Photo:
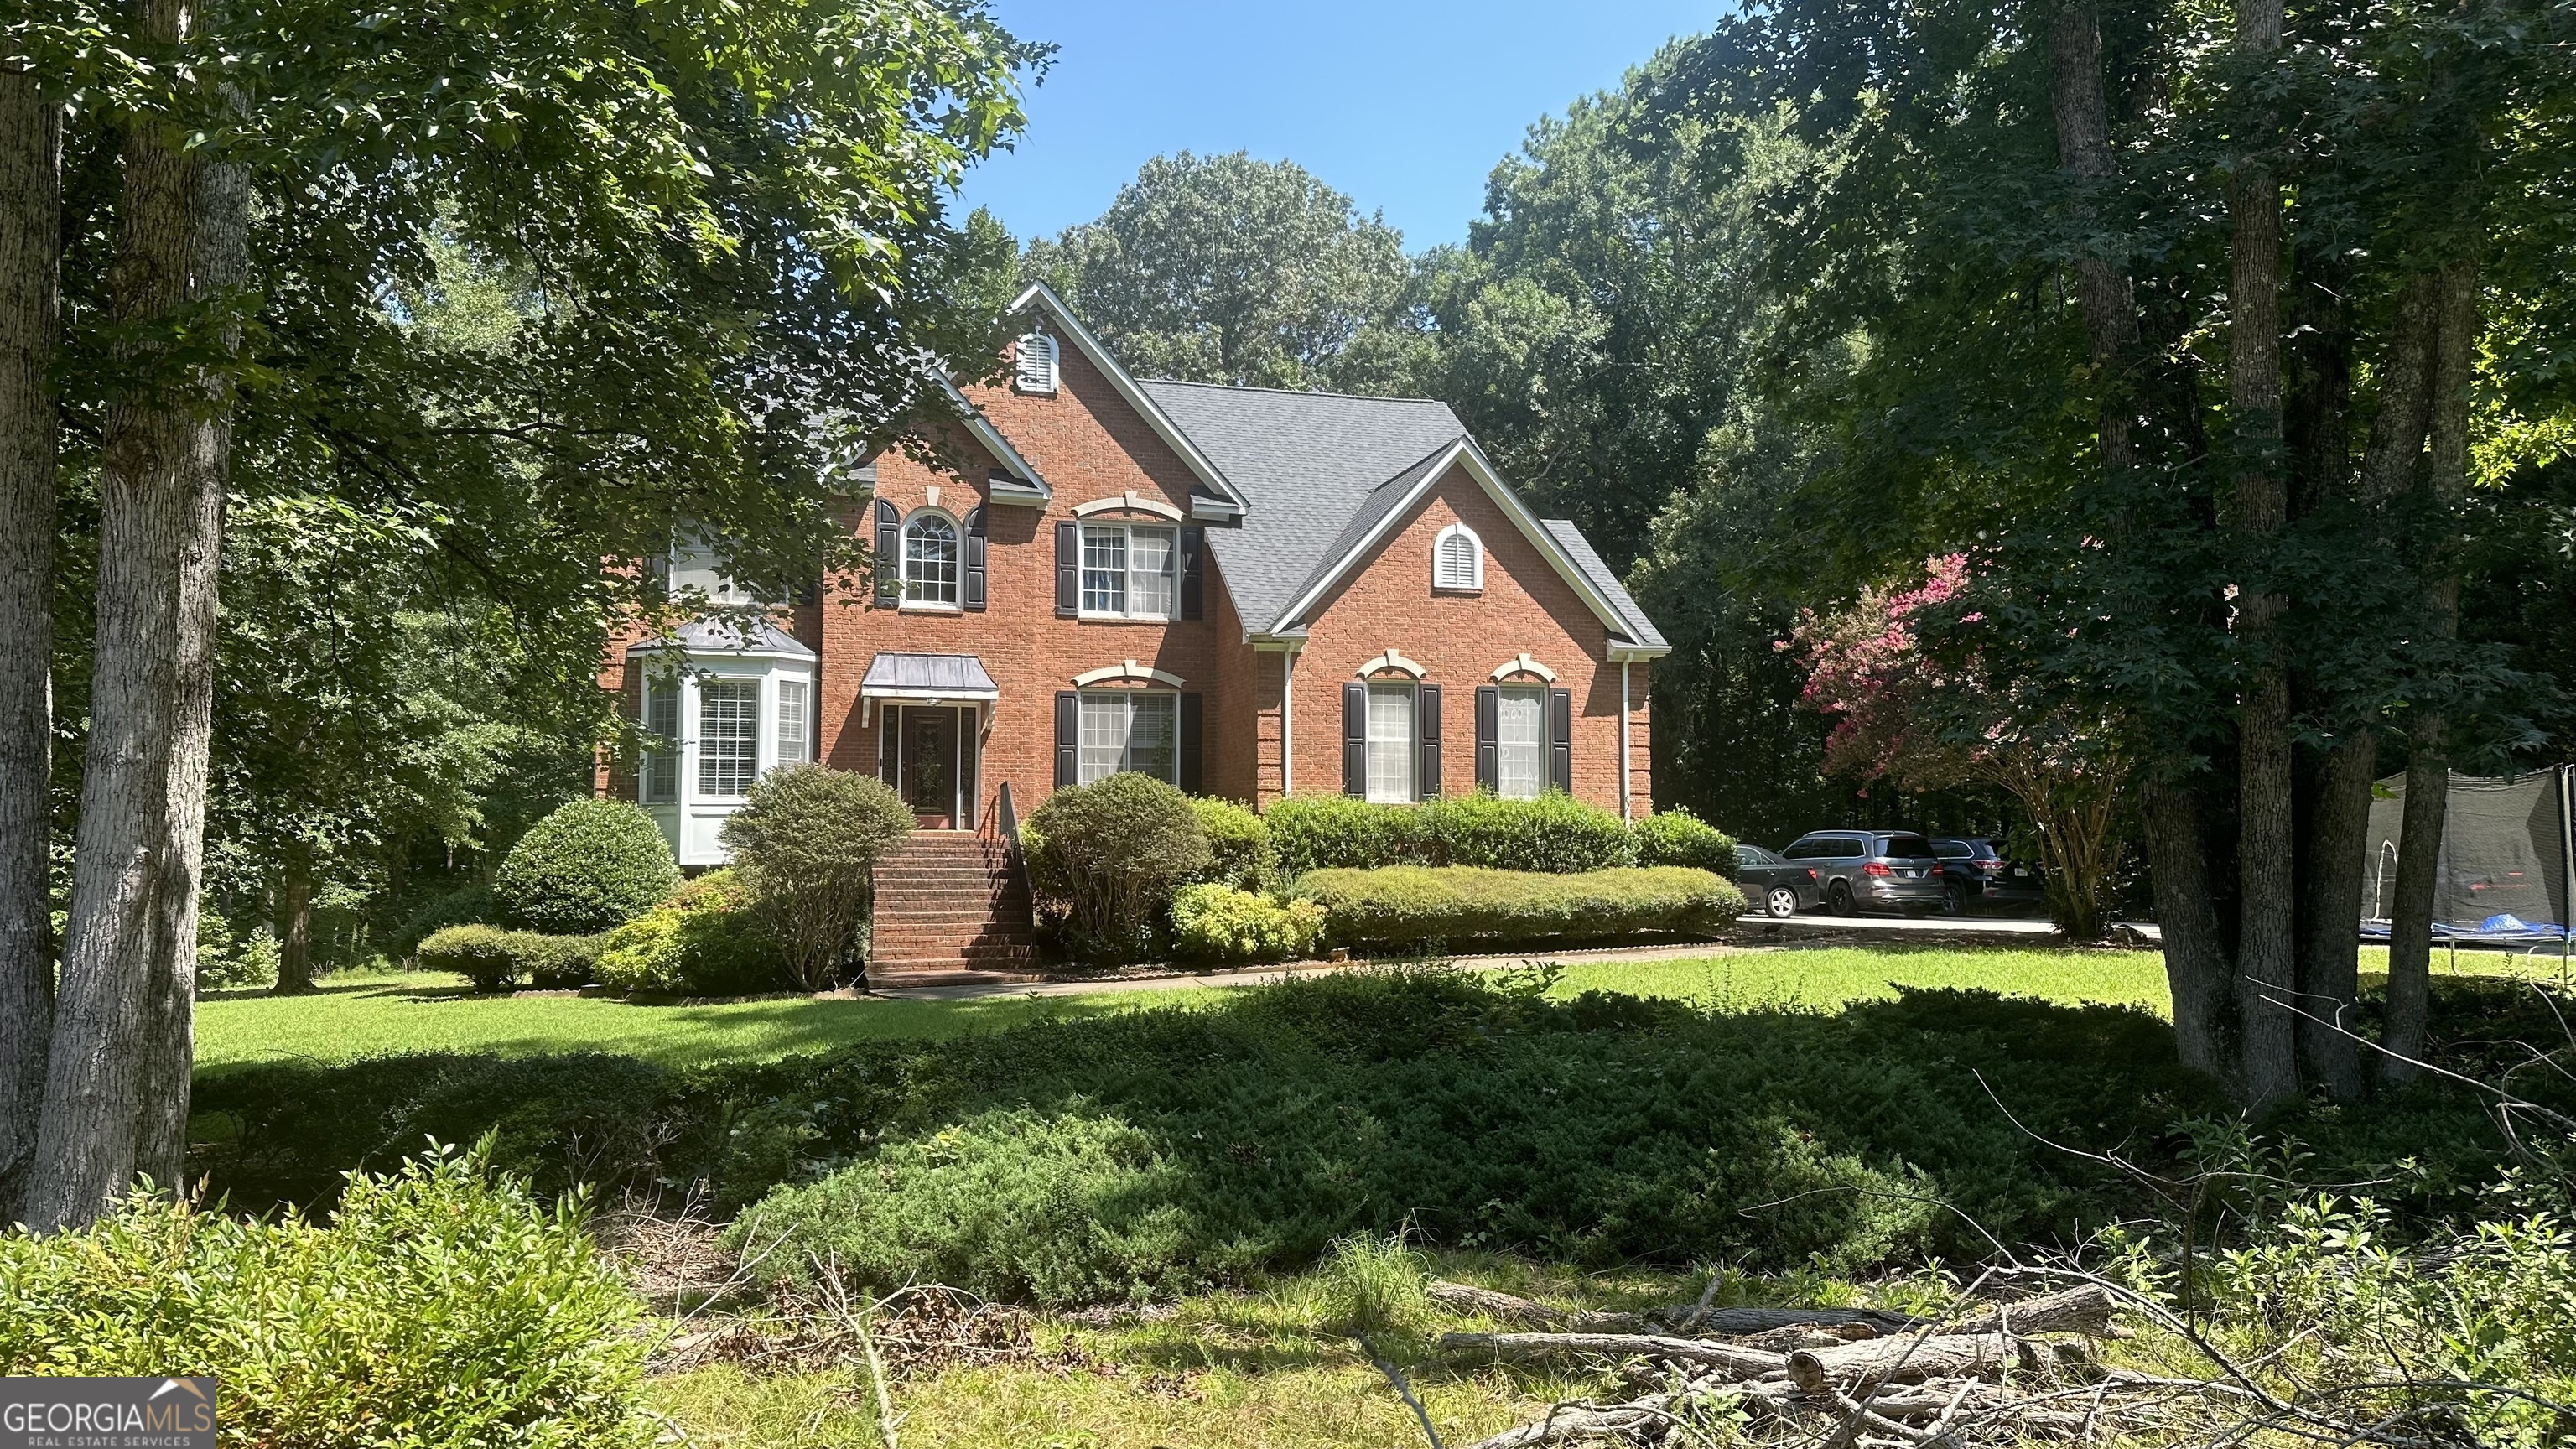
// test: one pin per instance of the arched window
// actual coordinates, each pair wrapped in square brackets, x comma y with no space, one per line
[930,560]
[1037,363]
[1457,559]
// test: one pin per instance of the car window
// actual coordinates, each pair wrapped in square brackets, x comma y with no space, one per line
[1756,855]
[1801,849]
[1904,847]
[1954,850]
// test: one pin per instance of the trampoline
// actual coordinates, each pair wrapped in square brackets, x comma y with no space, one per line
[2507,858]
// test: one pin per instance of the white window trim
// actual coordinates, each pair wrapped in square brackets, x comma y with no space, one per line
[903,538]
[1501,745]
[1087,695]
[1130,615]
[1037,365]
[1475,560]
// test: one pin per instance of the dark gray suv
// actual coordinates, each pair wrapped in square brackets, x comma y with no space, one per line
[1886,870]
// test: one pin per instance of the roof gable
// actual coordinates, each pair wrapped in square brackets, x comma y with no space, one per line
[1221,491]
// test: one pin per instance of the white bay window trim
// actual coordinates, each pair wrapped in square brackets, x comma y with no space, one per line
[729,717]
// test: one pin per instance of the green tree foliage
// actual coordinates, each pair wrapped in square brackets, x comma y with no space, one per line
[806,841]
[1227,269]
[590,865]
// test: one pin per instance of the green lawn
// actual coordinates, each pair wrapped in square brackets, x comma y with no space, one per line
[370,1015]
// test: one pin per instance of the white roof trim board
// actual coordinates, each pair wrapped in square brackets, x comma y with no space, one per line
[1464,452]
[1034,490]
[1043,296]
[1127,669]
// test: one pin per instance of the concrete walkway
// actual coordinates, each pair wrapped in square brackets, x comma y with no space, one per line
[1751,933]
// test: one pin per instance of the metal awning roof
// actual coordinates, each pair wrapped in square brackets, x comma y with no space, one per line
[726,636]
[927,676]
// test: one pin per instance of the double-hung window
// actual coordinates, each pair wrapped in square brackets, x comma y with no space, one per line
[1129,729]
[1392,743]
[930,561]
[1520,740]
[794,712]
[1130,571]
[660,780]
[728,736]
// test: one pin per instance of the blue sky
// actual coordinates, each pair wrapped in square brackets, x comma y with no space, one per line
[1404,105]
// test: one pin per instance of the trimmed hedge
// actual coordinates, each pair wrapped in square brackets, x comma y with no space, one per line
[1411,905]
[499,960]
[705,940]
[1555,833]
[1239,848]
[465,906]
[1677,837]
[1216,922]
[442,1305]
[590,865]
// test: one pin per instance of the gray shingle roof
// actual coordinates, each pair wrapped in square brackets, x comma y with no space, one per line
[1308,465]
[1640,628]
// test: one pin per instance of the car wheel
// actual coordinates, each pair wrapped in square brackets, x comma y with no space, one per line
[1782,903]
[1839,899]
[1954,899]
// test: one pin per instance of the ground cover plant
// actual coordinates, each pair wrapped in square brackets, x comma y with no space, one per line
[441,1304]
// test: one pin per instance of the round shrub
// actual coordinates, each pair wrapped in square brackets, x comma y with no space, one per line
[590,865]
[1239,848]
[1677,837]
[707,939]
[806,840]
[1216,922]
[499,960]
[1109,853]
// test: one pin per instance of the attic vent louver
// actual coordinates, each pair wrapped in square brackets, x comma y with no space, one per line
[1037,363]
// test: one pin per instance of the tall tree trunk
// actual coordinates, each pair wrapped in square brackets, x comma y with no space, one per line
[294,922]
[2428,773]
[2103,285]
[116,1088]
[2267,948]
[2196,956]
[30,246]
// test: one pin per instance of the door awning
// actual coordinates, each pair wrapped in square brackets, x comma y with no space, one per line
[927,676]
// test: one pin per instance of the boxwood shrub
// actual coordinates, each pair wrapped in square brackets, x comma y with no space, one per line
[590,865]
[1216,922]
[1239,850]
[499,960]
[1554,832]
[1411,905]
[705,940]
[440,1305]
[1677,837]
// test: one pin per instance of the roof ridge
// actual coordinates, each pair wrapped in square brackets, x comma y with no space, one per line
[1292,391]
[1408,470]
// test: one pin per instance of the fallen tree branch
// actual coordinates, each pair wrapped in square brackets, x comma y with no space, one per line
[1879,1360]
[2085,1308]
[1750,1363]
[1512,1308]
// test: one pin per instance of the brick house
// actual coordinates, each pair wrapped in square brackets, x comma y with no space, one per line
[1248,592]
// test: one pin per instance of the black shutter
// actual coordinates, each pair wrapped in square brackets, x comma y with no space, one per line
[1560,739]
[975,559]
[1193,577]
[1355,739]
[1068,570]
[889,554]
[1190,744]
[1068,737]
[886,728]
[1426,773]
[1489,737]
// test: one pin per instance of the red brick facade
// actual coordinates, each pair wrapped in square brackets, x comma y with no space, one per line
[1088,442]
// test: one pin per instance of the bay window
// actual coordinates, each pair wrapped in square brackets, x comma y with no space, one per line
[660,780]
[794,713]
[728,737]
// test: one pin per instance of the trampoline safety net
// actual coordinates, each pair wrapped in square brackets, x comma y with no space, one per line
[2505,848]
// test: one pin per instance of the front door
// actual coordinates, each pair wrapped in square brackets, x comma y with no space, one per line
[934,765]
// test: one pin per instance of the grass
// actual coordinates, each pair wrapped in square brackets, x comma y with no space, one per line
[386,1013]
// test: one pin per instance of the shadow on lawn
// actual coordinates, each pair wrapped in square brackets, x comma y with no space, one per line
[1246,1134]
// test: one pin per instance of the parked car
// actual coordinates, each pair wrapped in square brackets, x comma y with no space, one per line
[1977,876]
[1857,870]
[1777,887]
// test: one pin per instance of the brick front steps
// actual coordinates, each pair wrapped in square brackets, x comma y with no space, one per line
[950,910]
